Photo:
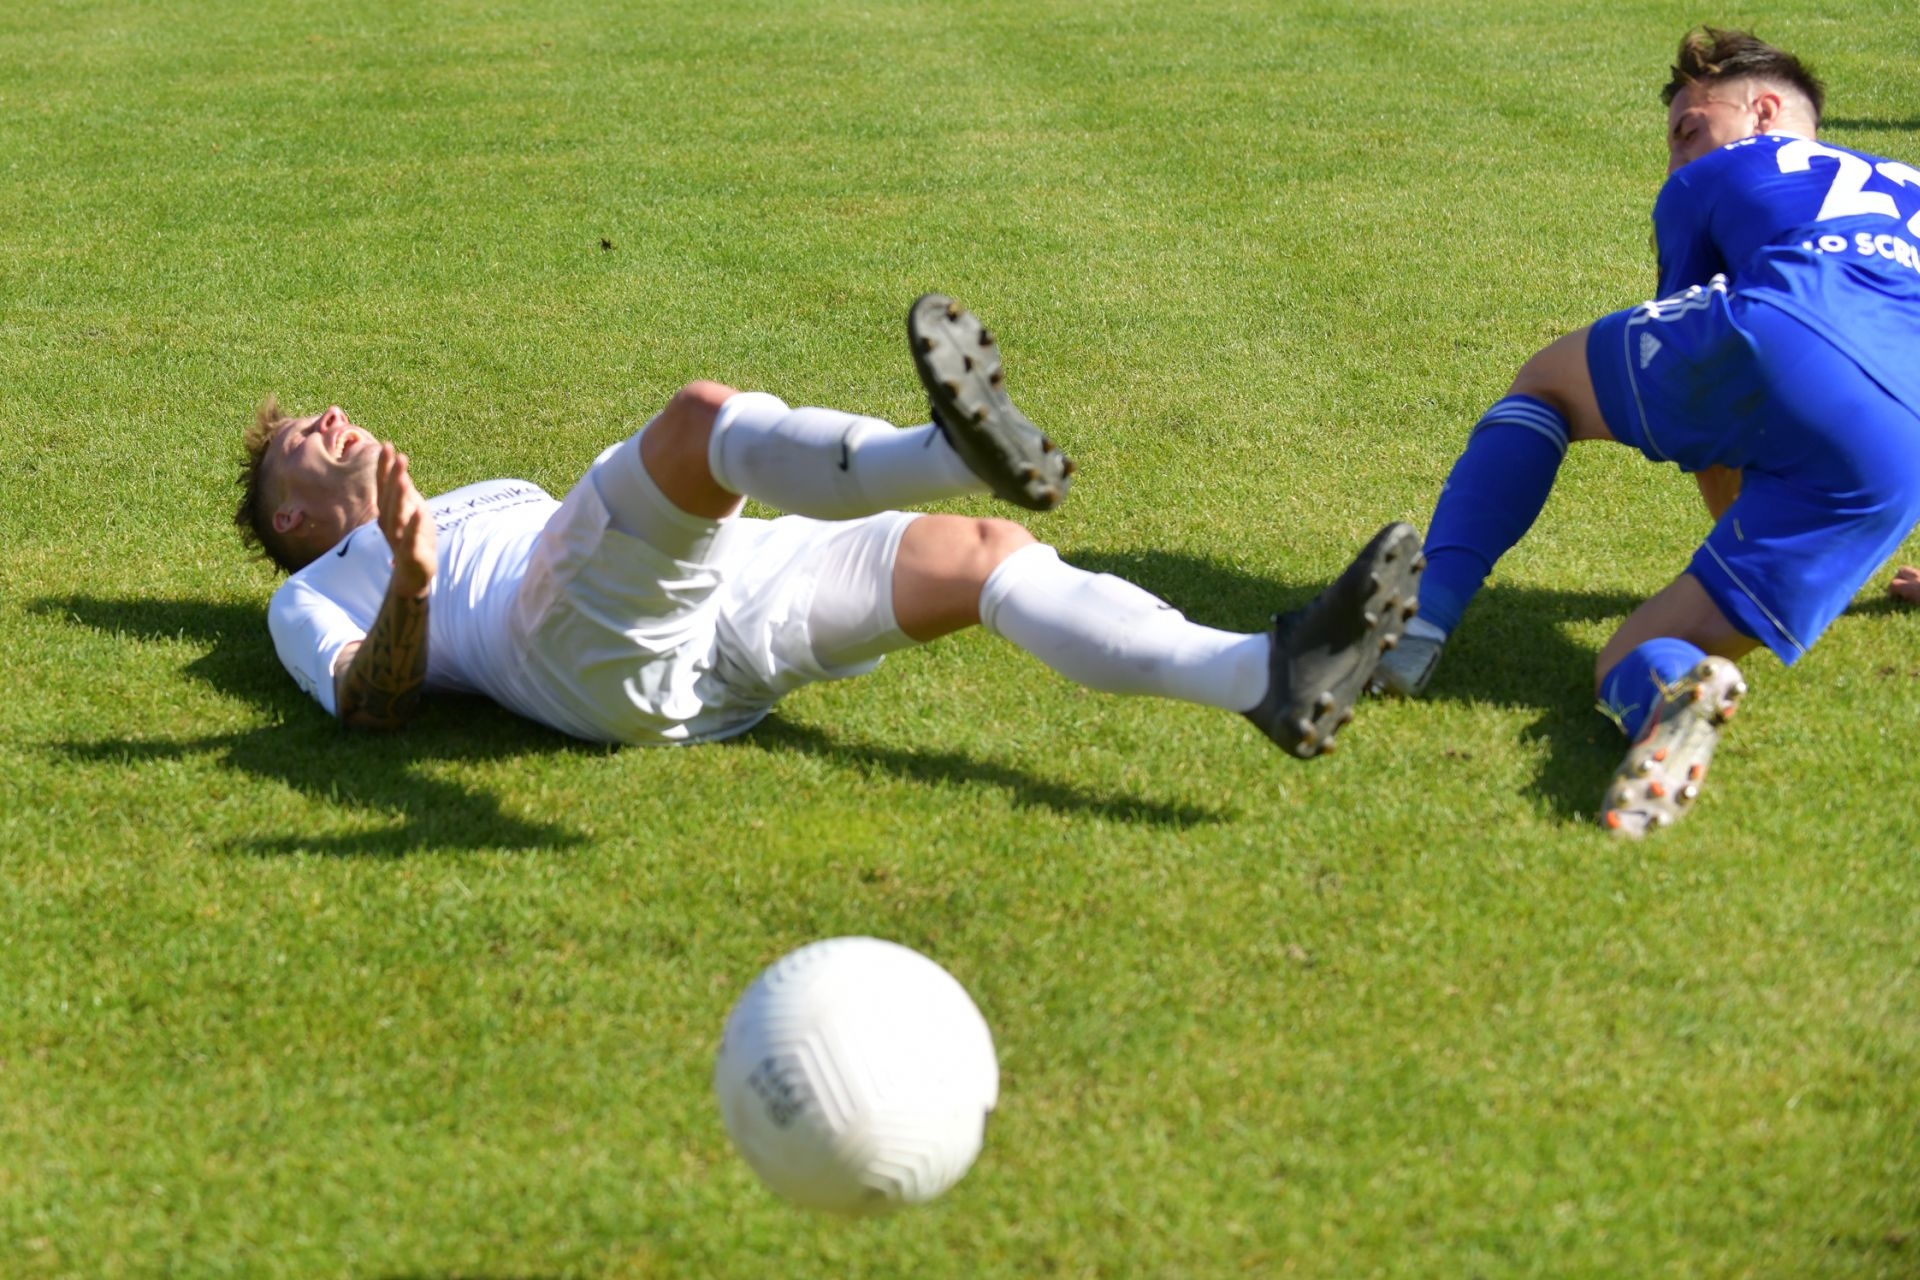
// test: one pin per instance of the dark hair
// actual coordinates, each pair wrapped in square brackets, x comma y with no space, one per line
[254,515]
[1709,55]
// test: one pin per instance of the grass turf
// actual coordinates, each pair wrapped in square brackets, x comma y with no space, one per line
[279,1000]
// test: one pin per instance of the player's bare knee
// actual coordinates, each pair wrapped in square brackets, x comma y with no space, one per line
[995,540]
[1543,377]
[691,412]
[700,399]
[1557,375]
[959,552]
[678,434]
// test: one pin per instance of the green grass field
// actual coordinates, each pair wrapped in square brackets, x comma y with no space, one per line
[277,1000]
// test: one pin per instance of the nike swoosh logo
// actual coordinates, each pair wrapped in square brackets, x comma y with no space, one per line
[846,457]
[343,546]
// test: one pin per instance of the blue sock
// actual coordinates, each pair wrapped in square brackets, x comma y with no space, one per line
[1631,690]
[1492,497]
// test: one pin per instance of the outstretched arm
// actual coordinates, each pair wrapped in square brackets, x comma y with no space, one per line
[378,682]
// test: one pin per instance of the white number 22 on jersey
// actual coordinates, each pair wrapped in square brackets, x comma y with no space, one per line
[1848,196]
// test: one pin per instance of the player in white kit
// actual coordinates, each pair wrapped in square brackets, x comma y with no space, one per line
[644,609]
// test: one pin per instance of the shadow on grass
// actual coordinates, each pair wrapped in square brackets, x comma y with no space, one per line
[1515,651]
[1881,605]
[934,767]
[308,752]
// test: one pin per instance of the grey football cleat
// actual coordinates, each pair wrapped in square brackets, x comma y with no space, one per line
[959,364]
[1324,654]
[1660,779]
[1406,669]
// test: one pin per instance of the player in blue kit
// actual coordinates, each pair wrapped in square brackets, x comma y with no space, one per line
[1778,366]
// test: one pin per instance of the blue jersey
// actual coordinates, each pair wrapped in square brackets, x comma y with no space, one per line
[1828,235]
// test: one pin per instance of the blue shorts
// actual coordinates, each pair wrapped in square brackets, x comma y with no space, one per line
[1831,460]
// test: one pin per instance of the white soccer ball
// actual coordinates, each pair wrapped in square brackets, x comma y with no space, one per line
[856,1075]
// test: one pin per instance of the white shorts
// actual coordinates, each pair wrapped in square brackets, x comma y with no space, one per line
[692,632]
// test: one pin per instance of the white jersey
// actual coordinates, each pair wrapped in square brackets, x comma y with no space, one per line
[552,612]
[486,536]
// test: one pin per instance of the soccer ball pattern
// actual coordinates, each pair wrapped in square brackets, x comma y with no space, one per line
[855,1076]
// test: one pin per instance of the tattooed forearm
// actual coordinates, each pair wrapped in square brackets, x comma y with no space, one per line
[381,687]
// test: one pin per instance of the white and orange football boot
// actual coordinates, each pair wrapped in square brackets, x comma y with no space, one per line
[1660,779]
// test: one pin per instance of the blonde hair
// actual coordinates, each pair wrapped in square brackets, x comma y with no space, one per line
[254,515]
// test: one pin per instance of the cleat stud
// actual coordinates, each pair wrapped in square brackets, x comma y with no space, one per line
[980,414]
[1050,496]
[1643,766]
[1046,445]
[1029,474]
[1408,609]
[952,385]
[1419,562]
[986,337]
[1373,583]
[953,310]
[1304,727]
[1324,703]
[1344,719]
[1657,790]
[1388,641]
[1371,618]
[1612,819]
[1689,793]
[1326,748]
[1067,467]
[928,344]
[1661,754]
[996,377]
[1698,692]
[1696,773]
[966,362]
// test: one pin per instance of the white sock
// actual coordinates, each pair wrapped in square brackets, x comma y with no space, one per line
[830,465]
[1107,634]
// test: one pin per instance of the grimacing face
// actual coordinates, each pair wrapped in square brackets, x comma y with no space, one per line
[1706,117]
[323,467]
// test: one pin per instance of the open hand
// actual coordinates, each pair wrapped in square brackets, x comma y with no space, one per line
[406,523]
